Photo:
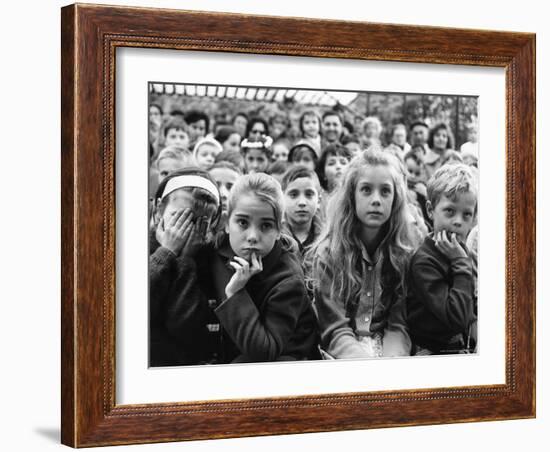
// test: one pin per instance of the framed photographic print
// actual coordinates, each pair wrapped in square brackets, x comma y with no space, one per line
[325,228]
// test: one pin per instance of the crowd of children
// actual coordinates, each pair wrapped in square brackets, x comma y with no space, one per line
[332,245]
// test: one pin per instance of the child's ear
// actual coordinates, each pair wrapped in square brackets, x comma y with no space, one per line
[430,210]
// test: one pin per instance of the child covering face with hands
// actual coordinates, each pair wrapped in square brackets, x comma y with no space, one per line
[243,296]
[187,208]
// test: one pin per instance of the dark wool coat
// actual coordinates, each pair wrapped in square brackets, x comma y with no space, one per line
[192,321]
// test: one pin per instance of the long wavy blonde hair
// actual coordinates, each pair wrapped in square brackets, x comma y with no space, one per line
[339,245]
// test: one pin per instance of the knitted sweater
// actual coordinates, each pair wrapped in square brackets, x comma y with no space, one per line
[441,301]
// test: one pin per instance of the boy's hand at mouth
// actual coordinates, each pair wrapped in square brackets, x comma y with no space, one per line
[448,244]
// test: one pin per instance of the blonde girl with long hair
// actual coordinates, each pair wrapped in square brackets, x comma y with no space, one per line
[360,262]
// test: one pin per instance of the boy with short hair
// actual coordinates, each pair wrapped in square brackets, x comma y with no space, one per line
[303,153]
[173,158]
[441,287]
[175,133]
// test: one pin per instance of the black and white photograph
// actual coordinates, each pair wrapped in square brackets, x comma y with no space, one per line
[292,224]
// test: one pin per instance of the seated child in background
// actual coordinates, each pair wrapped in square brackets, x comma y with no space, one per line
[398,141]
[226,175]
[353,144]
[280,149]
[170,159]
[175,133]
[251,280]
[302,213]
[332,166]
[310,127]
[228,137]
[173,158]
[155,123]
[303,153]
[277,169]
[187,207]
[302,197]
[416,183]
[198,125]
[257,154]
[205,152]
[371,130]
[441,292]
[240,122]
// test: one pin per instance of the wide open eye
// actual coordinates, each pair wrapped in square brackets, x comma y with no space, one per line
[242,222]
[366,189]
[267,226]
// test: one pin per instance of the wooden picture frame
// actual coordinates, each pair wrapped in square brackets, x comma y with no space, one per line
[90,36]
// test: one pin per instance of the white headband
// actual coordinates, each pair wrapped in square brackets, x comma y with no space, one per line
[191,180]
[207,140]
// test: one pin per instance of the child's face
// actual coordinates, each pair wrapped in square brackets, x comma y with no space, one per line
[280,152]
[311,126]
[335,168]
[354,148]
[277,127]
[257,130]
[332,128]
[177,137]
[440,139]
[256,161]
[154,115]
[197,130]
[240,124]
[304,158]
[252,227]
[206,156]
[233,143]
[302,200]
[413,169]
[225,179]
[374,196]
[454,216]
[167,166]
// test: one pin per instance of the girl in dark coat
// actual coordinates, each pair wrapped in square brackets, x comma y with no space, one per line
[243,298]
